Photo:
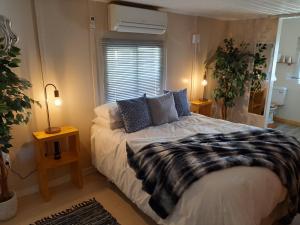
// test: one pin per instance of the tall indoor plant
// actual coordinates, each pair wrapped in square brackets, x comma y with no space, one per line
[233,73]
[15,108]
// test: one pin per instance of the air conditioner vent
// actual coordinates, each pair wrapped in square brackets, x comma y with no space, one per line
[136,20]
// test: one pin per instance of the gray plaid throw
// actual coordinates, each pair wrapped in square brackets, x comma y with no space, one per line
[167,169]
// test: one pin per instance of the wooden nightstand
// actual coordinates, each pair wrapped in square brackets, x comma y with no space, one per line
[201,107]
[68,142]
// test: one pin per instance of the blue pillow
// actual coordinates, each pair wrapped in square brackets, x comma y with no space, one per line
[181,102]
[135,114]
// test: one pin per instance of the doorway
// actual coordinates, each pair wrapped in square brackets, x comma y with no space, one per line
[283,105]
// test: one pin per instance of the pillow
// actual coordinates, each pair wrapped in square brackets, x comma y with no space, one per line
[135,114]
[107,124]
[162,109]
[109,111]
[181,102]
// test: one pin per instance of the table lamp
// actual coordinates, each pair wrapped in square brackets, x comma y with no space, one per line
[57,102]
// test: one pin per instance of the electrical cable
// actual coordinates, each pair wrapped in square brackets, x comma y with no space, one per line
[20,175]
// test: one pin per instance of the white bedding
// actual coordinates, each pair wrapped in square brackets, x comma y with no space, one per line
[235,196]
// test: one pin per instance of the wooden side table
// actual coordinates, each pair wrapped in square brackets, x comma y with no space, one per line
[201,107]
[68,142]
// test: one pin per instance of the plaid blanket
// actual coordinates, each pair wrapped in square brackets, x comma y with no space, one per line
[167,169]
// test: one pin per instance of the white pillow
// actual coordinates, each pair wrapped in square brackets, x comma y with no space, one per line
[109,111]
[105,123]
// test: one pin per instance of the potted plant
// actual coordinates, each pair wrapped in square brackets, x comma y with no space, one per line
[231,72]
[15,108]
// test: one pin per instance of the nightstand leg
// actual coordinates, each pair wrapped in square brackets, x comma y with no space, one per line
[76,174]
[43,182]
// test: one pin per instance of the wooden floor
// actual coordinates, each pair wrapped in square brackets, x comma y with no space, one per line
[289,129]
[32,208]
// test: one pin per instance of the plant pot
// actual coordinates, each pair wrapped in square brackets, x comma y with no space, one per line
[8,209]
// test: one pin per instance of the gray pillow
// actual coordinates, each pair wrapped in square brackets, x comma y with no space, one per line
[162,109]
[135,114]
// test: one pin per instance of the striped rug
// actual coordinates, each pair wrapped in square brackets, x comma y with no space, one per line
[89,212]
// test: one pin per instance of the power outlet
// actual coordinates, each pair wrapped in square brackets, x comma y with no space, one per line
[196,39]
[92,22]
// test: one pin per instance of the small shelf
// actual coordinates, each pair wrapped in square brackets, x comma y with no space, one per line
[293,78]
[66,158]
[65,131]
[288,64]
[68,146]
[201,102]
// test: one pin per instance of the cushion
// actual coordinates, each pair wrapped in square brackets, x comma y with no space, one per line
[109,111]
[135,114]
[107,124]
[162,109]
[181,102]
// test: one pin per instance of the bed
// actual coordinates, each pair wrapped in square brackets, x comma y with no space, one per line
[234,196]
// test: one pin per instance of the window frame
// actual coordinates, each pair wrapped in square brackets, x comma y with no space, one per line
[106,41]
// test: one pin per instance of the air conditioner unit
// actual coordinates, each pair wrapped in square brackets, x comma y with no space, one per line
[136,20]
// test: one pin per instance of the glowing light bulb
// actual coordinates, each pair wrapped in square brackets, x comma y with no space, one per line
[57,102]
[204,82]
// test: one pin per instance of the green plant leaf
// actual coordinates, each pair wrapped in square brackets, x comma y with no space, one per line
[231,71]
[15,105]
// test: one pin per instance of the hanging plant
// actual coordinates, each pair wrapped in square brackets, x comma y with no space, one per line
[231,72]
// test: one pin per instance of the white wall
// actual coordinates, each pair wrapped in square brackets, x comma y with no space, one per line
[288,44]
[64,40]
[64,36]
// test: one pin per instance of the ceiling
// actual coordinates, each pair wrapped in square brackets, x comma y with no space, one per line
[227,9]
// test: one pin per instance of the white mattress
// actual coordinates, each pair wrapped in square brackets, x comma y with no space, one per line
[234,196]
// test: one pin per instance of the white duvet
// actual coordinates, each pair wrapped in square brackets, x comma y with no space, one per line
[234,196]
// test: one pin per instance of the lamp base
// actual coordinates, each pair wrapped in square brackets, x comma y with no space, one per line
[52,130]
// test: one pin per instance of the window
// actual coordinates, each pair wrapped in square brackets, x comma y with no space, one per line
[132,68]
